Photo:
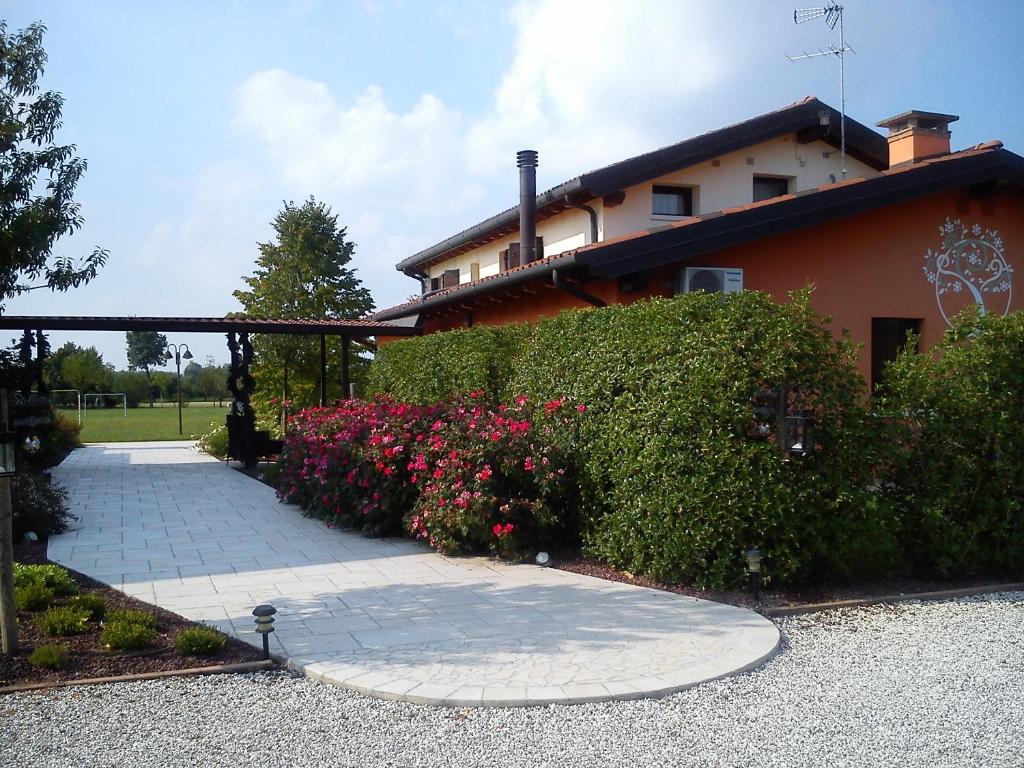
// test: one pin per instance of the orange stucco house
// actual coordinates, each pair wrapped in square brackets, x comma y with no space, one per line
[896,235]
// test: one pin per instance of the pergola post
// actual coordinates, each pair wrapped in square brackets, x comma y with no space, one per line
[323,371]
[346,380]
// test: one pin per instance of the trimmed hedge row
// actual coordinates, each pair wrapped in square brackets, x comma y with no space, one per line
[959,479]
[675,480]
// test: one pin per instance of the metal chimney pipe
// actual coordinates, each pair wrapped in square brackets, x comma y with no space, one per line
[527,161]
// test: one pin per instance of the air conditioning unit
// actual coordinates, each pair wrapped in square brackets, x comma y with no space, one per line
[711,280]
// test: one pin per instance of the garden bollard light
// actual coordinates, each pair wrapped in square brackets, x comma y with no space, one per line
[265,625]
[542,559]
[754,569]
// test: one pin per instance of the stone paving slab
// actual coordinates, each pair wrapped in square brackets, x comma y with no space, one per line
[386,617]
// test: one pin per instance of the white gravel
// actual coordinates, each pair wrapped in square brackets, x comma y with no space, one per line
[932,684]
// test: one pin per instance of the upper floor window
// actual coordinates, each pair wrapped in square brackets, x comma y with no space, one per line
[767,187]
[672,201]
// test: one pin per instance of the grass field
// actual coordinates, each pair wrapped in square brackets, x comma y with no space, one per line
[110,425]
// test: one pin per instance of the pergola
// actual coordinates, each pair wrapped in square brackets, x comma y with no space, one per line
[238,331]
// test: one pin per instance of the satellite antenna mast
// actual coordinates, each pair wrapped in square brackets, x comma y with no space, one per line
[833,14]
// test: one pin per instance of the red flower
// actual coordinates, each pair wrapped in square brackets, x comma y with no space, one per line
[581,407]
[497,529]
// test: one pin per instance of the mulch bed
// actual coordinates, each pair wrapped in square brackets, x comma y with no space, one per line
[768,599]
[86,659]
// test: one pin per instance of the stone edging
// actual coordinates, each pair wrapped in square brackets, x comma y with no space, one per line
[797,610]
[249,666]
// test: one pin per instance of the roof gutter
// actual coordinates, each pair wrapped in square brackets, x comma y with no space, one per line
[458,295]
[559,282]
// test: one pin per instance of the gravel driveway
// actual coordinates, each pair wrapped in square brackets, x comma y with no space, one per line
[934,684]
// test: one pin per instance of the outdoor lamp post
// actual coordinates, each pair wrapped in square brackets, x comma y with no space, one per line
[265,625]
[798,429]
[178,355]
[754,569]
[8,611]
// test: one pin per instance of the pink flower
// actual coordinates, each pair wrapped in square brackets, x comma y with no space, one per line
[581,407]
[521,400]
[497,529]
[528,464]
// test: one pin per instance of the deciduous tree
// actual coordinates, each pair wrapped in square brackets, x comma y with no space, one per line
[145,350]
[37,176]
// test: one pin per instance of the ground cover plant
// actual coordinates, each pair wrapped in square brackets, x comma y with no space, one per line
[41,659]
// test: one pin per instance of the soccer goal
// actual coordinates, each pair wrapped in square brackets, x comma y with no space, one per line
[98,404]
[78,400]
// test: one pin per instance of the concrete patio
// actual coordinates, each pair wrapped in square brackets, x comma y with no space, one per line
[178,529]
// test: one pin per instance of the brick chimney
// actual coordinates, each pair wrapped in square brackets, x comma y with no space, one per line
[917,135]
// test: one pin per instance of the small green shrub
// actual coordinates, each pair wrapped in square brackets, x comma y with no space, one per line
[63,621]
[142,618]
[53,576]
[33,596]
[214,442]
[39,505]
[49,656]
[199,641]
[127,636]
[94,604]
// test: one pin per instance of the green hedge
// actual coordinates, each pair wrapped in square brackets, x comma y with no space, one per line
[428,369]
[927,478]
[674,481]
[959,479]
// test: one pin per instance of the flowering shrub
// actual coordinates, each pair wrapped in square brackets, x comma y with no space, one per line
[347,465]
[465,477]
[493,478]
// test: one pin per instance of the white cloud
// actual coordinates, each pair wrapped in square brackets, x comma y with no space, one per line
[586,84]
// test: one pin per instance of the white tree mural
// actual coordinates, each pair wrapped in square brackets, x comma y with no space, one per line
[970,268]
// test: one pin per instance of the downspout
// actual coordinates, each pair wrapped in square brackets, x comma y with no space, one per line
[593,217]
[559,282]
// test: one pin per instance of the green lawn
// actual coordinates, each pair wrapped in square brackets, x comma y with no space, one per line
[111,425]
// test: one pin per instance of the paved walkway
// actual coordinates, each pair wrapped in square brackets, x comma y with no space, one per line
[387,617]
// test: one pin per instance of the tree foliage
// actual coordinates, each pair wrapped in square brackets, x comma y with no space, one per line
[304,274]
[145,350]
[37,176]
[84,370]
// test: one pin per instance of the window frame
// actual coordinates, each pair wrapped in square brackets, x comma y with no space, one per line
[764,177]
[686,191]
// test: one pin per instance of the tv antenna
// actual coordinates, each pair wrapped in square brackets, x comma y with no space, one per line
[833,14]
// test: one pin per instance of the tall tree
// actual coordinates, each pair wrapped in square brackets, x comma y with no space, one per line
[37,176]
[304,274]
[146,349]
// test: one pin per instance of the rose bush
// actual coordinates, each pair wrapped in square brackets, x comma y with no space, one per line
[495,479]
[464,476]
[347,465]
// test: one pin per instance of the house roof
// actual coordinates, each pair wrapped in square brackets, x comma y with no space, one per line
[360,328]
[803,118]
[711,232]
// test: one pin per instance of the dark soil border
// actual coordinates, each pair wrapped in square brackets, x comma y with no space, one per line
[790,603]
[87,660]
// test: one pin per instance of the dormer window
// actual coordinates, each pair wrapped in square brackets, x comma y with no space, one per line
[767,187]
[672,201]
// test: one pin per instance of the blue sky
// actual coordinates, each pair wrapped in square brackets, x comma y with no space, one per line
[199,118]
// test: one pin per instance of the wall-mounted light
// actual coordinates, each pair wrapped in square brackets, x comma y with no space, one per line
[798,433]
